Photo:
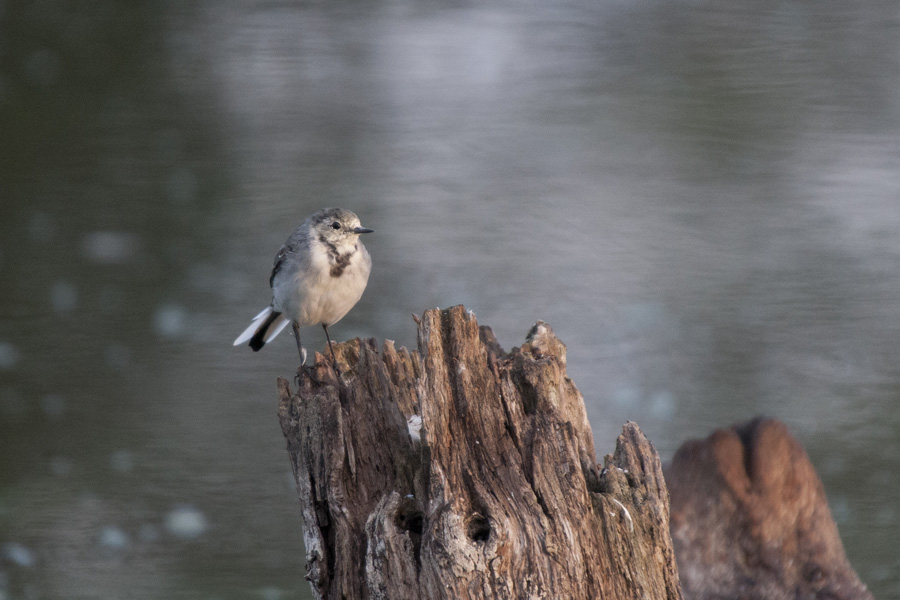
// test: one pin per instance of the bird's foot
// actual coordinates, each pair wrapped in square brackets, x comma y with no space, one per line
[311,373]
[308,372]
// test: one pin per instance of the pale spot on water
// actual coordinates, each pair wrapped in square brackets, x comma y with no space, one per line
[63,297]
[271,593]
[170,320]
[110,247]
[841,510]
[122,461]
[9,355]
[61,466]
[662,405]
[18,554]
[626,397]
[186,522]
[113,538]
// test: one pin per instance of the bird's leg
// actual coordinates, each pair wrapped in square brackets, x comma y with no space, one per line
[333,357]
[302,368]
[300,347]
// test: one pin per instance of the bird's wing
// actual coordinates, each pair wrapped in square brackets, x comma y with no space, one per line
[294,248]
[279,262]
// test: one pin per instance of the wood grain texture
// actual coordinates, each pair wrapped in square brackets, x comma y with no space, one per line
[501,497]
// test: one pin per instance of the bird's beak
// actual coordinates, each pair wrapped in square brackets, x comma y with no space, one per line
[363,230]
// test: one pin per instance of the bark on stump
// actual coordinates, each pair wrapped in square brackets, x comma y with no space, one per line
[750,520]
[501,497]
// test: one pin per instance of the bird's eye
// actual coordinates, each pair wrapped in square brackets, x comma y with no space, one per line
[335,225]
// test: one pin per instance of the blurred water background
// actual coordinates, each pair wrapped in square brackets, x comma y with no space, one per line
[701,198]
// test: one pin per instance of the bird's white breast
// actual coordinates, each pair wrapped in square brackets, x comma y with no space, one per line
[310,294]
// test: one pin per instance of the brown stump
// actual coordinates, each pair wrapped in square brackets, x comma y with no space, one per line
[501,497]
[750,520]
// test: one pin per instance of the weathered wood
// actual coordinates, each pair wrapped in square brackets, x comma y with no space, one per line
[750,520]
[501,497]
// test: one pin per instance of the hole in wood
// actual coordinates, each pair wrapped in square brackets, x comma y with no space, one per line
[526,390]
[410,520]
[479,528]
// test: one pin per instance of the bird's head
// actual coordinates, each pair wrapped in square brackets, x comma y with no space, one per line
[337,226]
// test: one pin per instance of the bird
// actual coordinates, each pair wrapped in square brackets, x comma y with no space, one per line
[319,274]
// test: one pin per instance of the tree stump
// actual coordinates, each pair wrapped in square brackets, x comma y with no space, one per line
[750,520]
[460,471]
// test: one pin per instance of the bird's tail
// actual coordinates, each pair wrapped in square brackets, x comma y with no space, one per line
[265,326]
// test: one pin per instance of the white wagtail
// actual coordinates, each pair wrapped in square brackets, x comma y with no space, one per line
[319,274]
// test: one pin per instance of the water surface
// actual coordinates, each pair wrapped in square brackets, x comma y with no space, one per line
[700,198]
